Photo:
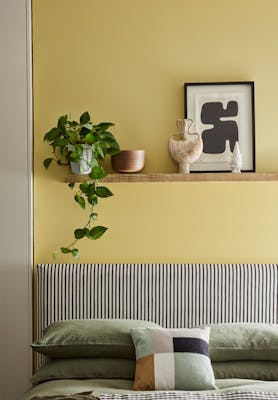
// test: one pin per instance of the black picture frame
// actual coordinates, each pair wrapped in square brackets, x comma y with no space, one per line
[227,109]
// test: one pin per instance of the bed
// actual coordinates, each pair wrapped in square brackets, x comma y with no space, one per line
[173,296]
[122,387]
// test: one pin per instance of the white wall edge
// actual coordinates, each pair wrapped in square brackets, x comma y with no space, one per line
[29,69]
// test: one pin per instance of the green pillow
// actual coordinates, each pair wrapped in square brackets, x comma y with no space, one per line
[244,341]
[258,370]
[85,368]
[172,359]
[89,338]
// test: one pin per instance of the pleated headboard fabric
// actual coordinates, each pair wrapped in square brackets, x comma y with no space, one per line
[173,295]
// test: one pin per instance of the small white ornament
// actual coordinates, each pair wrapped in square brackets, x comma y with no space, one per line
[236,160]
[187,147]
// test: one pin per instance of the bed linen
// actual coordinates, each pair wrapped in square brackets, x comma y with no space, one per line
[182,395]
[122,386]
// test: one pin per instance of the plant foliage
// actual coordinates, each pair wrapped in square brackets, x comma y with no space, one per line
[66,140]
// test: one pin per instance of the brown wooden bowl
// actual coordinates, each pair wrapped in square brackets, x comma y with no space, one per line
[128,161]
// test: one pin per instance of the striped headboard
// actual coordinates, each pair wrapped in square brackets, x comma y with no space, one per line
[173,295]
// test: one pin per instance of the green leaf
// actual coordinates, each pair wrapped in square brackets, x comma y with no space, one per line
[80,200]
[93,216]
[87,232]
[108,135]
[72,123]
[99,151]
[72,136]
[92,199]
[60,142]
[62,121]
[74,156]
[108,140]
[65,250]
[71,185]
[94,163]
[89,126]
[105,125]
[97,232]
[53,134]
[102,191]
[47,162]
[79,233]
[91,188]
[83,132]
[85,118]
[75,253]
[97,173]
[90,138]
[79,150]
[112,148]
[84,187]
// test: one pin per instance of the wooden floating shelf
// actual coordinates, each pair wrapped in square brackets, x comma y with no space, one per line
[192,177]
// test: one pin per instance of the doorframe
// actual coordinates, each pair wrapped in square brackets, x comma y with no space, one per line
[30,169]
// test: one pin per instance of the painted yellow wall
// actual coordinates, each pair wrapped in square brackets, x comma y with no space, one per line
[126,61]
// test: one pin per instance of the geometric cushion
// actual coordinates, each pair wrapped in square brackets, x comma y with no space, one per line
[172,359]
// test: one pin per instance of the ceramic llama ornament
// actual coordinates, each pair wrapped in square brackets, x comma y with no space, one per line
[236,160]
[185,148]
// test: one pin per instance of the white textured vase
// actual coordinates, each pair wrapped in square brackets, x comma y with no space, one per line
[185,148]
[82,167]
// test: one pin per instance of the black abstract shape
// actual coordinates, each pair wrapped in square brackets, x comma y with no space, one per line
[190,345]
[214,139]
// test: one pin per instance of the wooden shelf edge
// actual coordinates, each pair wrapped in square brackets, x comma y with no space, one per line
[192,177]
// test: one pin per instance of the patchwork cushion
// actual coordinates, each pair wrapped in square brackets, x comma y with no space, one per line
[168,359]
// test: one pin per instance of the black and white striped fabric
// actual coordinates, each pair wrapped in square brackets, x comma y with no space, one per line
[191,396]
[173,295]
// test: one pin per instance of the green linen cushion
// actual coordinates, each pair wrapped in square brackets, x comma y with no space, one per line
[257,370]
[89,338]
[169,359]
[85,368]
[244,341]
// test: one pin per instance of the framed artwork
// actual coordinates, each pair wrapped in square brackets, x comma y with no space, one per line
[223,114]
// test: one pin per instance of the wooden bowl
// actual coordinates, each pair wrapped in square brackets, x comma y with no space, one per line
[128,161]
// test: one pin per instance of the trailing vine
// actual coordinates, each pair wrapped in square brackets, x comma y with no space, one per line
[66,140]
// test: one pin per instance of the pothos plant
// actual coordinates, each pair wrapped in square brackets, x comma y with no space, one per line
[66,140]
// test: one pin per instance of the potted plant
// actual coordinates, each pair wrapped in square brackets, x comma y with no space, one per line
[83,145]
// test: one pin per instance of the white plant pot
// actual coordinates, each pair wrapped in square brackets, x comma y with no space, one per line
[82,167]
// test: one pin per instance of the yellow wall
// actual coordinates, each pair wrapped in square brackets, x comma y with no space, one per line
[126,61]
